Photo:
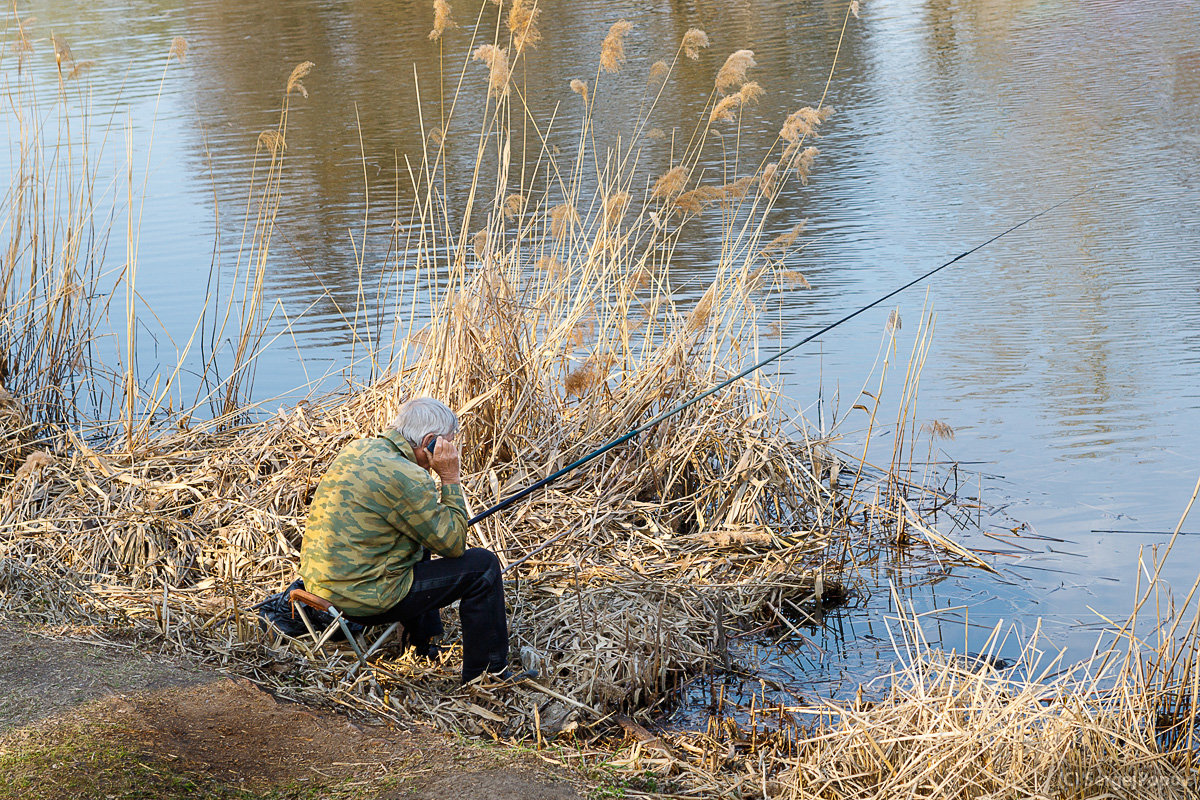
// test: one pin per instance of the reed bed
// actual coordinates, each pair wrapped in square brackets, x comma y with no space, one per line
[546,311]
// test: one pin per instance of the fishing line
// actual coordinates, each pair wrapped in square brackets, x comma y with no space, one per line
[574,465]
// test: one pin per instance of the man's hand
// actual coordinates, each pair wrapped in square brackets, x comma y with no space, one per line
[445,461]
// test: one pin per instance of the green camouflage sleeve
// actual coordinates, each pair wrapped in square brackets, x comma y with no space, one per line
[439,526]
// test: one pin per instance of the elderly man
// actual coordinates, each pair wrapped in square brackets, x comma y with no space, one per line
[375,518]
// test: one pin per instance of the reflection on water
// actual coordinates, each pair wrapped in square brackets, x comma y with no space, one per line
[1065,355]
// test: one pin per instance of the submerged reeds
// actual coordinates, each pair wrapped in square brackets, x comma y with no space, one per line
[554,325]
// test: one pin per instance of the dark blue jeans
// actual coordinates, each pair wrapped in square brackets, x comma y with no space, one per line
[474,580]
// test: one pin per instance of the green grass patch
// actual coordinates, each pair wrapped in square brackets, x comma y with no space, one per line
[74,761]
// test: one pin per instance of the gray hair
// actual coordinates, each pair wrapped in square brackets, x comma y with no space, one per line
[422,416]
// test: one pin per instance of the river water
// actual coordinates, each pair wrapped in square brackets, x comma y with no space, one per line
[1066,356]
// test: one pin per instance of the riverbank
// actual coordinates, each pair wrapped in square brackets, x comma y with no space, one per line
[87,717]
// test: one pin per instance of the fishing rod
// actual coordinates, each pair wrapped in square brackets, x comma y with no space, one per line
[574,465]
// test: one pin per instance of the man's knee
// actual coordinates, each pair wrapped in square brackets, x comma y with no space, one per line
[482,560]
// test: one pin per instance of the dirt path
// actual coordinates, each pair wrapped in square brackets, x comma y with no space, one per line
[80,720]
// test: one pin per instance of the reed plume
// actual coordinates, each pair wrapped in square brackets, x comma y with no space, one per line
[301,71]
[939,430]
[612,51]
[656,133]
[562,218]
[79,67]
[894,322]
[698,199]
[272,140]
[854,8]
[796,279]
[480,242]
[693,41]
[701,314]
[615,206]
[514,204]
[522,24]
[591,373]
[442,19]
[496,59]
[580,88]
[786,239]
[770,179]
[179,48]
[736,190]
[803,162]
[733,73]
[804,122]
[659,71]
[550,265]
[724,110]
[670,183]
[62,51]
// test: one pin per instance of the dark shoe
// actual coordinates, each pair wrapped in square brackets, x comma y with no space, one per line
[508,676]
[429,651]
[504,678]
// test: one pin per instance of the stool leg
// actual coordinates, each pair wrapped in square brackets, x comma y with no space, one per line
[371,650]
[350,638]
[317,640]
[379,642]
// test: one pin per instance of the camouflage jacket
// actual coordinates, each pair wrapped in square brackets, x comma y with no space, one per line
[372,517]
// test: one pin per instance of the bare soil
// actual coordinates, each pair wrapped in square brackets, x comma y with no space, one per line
[87,720]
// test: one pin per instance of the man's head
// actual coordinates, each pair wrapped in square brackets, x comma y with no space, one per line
[423,419]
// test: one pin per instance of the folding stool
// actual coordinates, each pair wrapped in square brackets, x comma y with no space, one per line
[299,599]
